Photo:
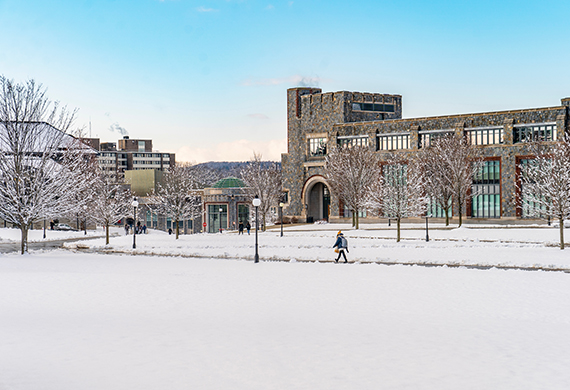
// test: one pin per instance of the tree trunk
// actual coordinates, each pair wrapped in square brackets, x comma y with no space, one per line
[357,224]
[460,215]
[263,228]
[447,216]
[398,220]
[178,227]
[24,240]
[353,219]
[107,233]
[561,221]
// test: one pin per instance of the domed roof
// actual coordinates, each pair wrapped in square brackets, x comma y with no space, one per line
[229,182]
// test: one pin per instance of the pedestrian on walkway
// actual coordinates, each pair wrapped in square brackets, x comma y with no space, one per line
[341,245]
[248,227]
[240,227]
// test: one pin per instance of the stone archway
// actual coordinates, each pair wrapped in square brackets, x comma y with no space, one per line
[316,198]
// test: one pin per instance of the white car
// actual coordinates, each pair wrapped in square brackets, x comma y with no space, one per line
[64,226]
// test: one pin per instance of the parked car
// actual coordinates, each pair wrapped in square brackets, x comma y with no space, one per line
[64,226]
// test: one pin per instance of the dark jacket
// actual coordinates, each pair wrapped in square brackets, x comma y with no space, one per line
[339,243]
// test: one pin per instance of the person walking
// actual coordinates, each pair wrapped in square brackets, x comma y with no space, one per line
[240,227]
[248,227]
[341,244]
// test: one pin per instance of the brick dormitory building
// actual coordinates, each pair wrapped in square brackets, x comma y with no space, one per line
[317,121]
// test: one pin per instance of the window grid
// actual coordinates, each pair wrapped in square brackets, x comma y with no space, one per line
[393,142]
[486,201]
[317,147]
[426,139]
[352,141]
[532,133]
[486,136]
[376,107]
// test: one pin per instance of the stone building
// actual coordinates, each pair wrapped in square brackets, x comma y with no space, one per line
[317,121]
[226,203]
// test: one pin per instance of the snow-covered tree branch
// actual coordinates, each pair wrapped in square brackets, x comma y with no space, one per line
[41,165]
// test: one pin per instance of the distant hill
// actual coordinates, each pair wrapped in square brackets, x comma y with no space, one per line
[230,168]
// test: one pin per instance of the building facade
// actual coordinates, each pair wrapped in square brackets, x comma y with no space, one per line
[318,121]
[131,154]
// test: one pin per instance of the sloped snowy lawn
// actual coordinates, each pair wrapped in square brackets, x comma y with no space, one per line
[91,322]
[528,247]
[14,235]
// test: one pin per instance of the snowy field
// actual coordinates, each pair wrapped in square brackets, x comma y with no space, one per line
[473,245]
[204,316]
[85,321]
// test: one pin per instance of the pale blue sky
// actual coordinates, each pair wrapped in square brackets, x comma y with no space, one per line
[208,79]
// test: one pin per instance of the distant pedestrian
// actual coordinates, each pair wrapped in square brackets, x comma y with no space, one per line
[144,228]
[240,227]
[169,230]
[341,245]
[248,227]
[51,225]
[126,229]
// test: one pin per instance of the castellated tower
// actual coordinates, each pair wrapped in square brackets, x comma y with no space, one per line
[311,116]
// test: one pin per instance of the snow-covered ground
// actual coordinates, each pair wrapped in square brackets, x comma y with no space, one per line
[474,245]
[73,321]
[13,235]
[204,316]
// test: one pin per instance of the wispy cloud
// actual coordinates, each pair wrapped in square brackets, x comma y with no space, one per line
[270,6]
[302,81]
[204,9]
[239,150]
[258,116]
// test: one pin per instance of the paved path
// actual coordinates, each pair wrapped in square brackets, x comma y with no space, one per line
[8,247]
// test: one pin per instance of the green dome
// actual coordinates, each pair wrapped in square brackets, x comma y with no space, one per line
[229,182]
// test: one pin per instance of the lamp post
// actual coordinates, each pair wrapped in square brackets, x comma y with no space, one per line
[221,210]
[44,227]
[85,220]
[281,204]
[135,204]
[427,230]
[256,202]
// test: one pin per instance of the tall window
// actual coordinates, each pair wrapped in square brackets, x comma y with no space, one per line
[350,141]
[393,142]
[243,213]
[530,209]
[141,146]
[486,136]
[427,137]
[530,133]
[317,147]
[486,190]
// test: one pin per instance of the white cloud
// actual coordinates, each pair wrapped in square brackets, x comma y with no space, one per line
[204,9]
[239,150]
[258,116]
[297,80]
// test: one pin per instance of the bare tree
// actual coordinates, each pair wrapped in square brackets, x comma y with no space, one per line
[354,174]
[263,179]
[178,196]
[109,202]
[458,162]
[436,179]
[403,193]
[40,164]
[545,183]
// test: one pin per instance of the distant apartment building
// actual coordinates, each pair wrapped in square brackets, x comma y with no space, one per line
[130,154]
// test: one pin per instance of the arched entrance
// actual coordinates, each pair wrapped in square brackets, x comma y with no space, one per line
[317,200]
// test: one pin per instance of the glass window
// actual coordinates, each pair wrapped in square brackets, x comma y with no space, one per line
[530,208]
[427,138]
[317,147]
[348,142]
[493,136]
[531,133]
[486,191]
[376,107]
[393,142]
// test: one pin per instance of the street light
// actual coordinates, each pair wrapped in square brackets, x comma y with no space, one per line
[281,204]
[256,202]
[85,214]
[135,204]
[427,229]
